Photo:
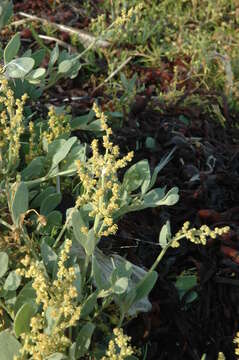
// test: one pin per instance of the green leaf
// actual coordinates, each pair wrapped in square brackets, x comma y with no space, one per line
[93,126]
[9,345]
[78,281]
[62,152]
[153,197]
[32,194]
[6,10]
[77,152]
[171,197]
[147,178]
[12,282]
[87,241]
[90,242]
[27,53]
[49,257]
[54,56]
[84,339]
[124,81]
[10,298]
[38,56]
[143,288]
[53,219]
[163,162]
[184,284]
[19,202]
[3,263]
[18,68]
[190,297]
[50,203]
[150,143]
[136,175]
[35,76]
[83,120]
[42,196]
[65,66]
[27,294]
[120,286]
[89,305]
[72,351]
[97,274]
[157,197]
[146,285]
[53,147]
[23,318]
[165,234]
[78,223]
[124,269]
[12,48]
[35,169]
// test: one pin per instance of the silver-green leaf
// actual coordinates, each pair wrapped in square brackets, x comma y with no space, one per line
[12,48]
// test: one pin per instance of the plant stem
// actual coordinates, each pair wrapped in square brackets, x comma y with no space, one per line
[153,267]
[64,227]
[47,177]
[162,253]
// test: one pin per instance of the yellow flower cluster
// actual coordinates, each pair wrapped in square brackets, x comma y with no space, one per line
[11,120]
[125,16]
[221,356]
[236,342]
[198,236]
[118,348]
[99,25]
[99,179]
[31,152]
[59,124]
[34,146]
[60,298]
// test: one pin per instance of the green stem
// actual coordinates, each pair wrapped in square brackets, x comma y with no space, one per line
[162,253]
[64,227]
[87,49]
[153,267]
[47,177]
[38,39]
[96,222]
